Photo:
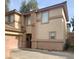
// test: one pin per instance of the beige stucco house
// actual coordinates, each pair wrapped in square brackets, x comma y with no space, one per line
[44,28]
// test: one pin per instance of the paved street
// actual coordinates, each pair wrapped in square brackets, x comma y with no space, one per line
[40,54]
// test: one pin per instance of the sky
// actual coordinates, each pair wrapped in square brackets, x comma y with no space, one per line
[15,4]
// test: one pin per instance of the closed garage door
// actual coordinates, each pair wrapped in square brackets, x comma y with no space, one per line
[11,42]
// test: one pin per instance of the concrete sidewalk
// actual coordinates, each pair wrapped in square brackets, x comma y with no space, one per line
[26,54]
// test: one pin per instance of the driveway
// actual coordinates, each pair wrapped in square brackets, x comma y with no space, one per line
[40,54]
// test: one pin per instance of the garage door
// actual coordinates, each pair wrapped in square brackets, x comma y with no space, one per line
[11,42]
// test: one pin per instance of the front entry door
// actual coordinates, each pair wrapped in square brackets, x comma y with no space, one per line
[28,41]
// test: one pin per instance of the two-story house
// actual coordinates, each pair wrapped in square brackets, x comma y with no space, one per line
[44,28]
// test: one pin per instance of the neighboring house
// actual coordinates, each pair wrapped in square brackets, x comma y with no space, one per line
[44,28]
[13,33]
[12,37]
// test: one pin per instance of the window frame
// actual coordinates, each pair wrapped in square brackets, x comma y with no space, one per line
[42,17]
[30,20]
[51,35]
[10,19]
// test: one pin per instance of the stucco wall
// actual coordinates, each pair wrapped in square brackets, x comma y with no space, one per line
[56,23]
[17,21]
[29,29]
[43,30]
[40,31]
[65,24]
[48,45]
[55,12]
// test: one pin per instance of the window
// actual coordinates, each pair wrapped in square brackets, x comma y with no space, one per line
[45,17]
[52,35]
[10,19]
[29,20]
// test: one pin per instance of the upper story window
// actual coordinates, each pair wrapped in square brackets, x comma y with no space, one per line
[45,17]
[52,35]
[29,20]
[10,19]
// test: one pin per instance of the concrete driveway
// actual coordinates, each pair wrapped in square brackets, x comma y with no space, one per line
[40,54]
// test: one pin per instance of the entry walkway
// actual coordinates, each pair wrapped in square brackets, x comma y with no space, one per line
[40,54]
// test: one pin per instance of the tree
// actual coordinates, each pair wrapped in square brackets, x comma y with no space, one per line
[31,5]
[72,23]
[24,8]
[68,26]
[7,5]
